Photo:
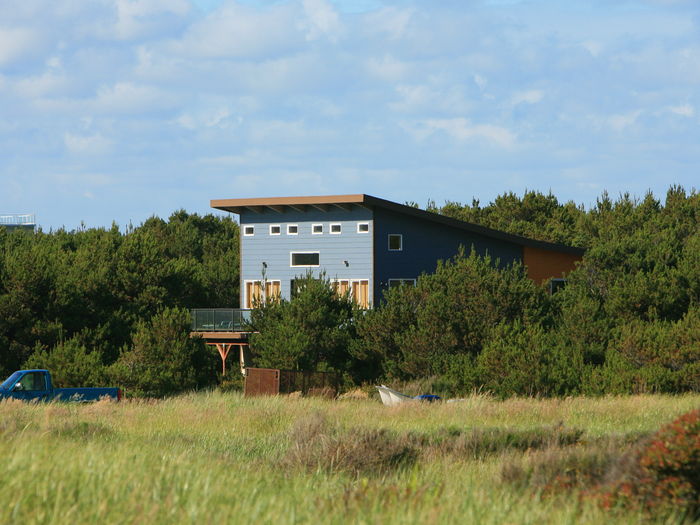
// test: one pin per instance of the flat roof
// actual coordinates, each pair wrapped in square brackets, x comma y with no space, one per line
[347,202]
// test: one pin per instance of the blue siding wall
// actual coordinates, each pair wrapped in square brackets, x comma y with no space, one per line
[424,243]
[274,250]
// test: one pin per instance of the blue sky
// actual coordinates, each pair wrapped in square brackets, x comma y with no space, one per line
[116,110]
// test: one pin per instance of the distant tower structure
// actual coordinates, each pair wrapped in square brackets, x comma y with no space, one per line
[25,221]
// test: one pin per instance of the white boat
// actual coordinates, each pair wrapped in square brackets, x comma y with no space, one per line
[391,397]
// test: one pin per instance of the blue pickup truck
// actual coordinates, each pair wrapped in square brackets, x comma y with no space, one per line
[31,385]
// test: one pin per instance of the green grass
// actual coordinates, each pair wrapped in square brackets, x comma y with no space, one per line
[220,458]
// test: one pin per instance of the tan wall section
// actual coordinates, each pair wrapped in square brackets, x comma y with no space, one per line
[545,264]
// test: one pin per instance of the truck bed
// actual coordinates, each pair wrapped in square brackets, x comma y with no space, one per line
[85,394]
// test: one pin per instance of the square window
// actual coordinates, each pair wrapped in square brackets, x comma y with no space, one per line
[336,228]
[275,229]
[292,229]
[317,229]
[249,231]
[556,284]
[395,242]
[304,258]
[362,227]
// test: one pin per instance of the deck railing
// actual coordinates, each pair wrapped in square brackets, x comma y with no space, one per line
[220,319]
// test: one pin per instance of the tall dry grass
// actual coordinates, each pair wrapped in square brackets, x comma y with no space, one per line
[220,458]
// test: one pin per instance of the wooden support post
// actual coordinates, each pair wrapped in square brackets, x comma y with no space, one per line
[224,349]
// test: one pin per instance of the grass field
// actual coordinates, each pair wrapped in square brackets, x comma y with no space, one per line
[220,458]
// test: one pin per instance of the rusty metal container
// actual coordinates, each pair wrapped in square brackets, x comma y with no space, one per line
[261,382]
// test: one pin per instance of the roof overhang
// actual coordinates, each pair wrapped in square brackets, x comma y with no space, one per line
[282,204]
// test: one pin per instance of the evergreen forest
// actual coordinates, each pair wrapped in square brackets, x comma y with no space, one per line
[98,306]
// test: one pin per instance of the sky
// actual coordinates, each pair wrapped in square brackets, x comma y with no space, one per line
[118,110]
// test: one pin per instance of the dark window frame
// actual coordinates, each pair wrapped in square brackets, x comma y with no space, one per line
[293,254]
[394,235]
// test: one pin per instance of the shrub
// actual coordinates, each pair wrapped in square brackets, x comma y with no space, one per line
[527,360]
[481,442]
[664,474]
[418,331]
[556,468]
[71,365]
[164,359]
[656,356]
[310,332]
[318,445]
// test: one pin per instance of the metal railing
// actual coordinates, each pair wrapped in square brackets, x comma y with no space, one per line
[219,319]
[17,220]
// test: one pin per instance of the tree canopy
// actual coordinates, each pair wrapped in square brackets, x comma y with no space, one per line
[83,302]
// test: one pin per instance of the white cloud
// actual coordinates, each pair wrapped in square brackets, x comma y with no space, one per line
[266,89]
[387,68]
[480,81]
[462,130]
[449,99]
[390,21]
[48,83]
[87,145]
[684,110]
[131,97]
[235,31]
[532,96]
[622,121]
[216,118]
[323,20]
[593,47]
[17,43]
[268,131]
[136,17]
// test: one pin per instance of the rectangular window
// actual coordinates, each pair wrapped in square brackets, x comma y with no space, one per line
[395,242]
[255,296]
[275,229]
[393,283]
[304,258]
[317,229]
[360,293]
[362,227]
[336,228]
[357,289]
[249,231]
[292,229]
[341,287]
[32,381]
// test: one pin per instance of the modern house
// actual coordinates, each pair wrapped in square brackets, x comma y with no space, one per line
[365,244]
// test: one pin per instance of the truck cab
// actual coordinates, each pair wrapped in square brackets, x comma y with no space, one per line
[29,385]
[36,385]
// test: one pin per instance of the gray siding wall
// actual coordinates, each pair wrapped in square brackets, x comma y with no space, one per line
[424,243]
[334,249]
